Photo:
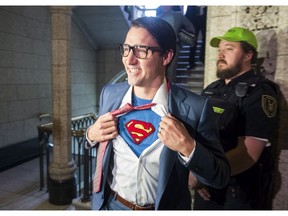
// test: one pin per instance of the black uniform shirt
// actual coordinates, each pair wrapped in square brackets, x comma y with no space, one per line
[256,117]
[258,107]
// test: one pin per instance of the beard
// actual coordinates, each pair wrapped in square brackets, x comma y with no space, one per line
[229,72]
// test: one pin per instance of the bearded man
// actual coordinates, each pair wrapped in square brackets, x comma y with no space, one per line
[245,107]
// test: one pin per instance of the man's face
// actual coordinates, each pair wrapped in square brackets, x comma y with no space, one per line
[230,60]
[143,72]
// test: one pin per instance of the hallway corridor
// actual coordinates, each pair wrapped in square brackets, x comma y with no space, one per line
[19,189]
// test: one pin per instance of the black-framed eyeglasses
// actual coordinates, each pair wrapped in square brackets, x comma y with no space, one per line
[139,51]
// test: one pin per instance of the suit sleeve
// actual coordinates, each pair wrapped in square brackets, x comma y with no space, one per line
[209,163]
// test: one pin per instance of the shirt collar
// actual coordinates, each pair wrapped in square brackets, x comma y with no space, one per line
[242,77]
[161,96]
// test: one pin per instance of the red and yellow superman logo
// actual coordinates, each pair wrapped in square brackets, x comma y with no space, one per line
[139,130]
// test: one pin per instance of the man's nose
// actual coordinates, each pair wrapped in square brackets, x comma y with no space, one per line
[220,55]
[131,58]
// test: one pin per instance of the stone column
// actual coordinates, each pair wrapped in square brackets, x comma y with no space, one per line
[61,179]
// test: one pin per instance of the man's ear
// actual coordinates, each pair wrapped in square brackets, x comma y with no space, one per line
[167,57]
[249,56]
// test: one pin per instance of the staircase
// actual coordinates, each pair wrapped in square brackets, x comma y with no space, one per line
[193,79]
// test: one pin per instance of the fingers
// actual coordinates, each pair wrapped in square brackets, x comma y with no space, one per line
[168,119]
[204,193]
[175,136]
[167,123]
[168,132]
[105,128]
[108,136]
[165,132]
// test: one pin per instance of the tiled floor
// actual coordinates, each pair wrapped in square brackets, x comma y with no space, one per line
[19,189]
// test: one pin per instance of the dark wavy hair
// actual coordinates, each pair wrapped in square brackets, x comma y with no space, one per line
[161,31]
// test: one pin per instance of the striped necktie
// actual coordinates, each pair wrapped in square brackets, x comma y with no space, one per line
[102,145]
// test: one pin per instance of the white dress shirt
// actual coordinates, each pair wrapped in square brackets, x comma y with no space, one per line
[136,178]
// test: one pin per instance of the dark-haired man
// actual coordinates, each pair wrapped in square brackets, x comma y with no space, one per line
[150,152]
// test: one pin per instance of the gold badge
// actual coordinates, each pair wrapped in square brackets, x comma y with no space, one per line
[269,105]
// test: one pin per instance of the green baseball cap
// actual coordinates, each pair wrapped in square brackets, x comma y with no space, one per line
[236,34]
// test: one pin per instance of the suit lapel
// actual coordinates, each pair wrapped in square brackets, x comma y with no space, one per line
[177,101]
[168,157]
[115,96]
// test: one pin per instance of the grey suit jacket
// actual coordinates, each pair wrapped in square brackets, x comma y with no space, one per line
[208,163]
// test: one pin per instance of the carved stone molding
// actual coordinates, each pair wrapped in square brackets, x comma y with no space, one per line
[258,18]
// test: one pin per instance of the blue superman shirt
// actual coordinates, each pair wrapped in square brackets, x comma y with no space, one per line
[139,128]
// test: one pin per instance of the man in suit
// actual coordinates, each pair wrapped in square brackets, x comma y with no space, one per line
[151,152]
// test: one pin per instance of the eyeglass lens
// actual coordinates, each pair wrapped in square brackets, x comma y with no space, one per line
[139,52]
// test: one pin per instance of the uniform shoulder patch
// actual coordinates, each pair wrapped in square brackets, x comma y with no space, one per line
[269,105]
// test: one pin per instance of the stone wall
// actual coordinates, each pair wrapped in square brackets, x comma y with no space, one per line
[270,24]
[83,73]
[109,64]
[25,71]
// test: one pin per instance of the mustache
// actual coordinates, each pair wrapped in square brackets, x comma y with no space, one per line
[221,61]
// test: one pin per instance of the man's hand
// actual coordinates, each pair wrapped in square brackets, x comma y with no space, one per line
[175,136]
[203,192]
[105,128]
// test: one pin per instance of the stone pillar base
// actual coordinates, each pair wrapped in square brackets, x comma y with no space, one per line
[62,192]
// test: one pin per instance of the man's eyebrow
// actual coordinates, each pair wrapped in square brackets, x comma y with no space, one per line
[229,44]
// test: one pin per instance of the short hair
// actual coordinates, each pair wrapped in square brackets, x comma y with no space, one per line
[246,47]
[161,31]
